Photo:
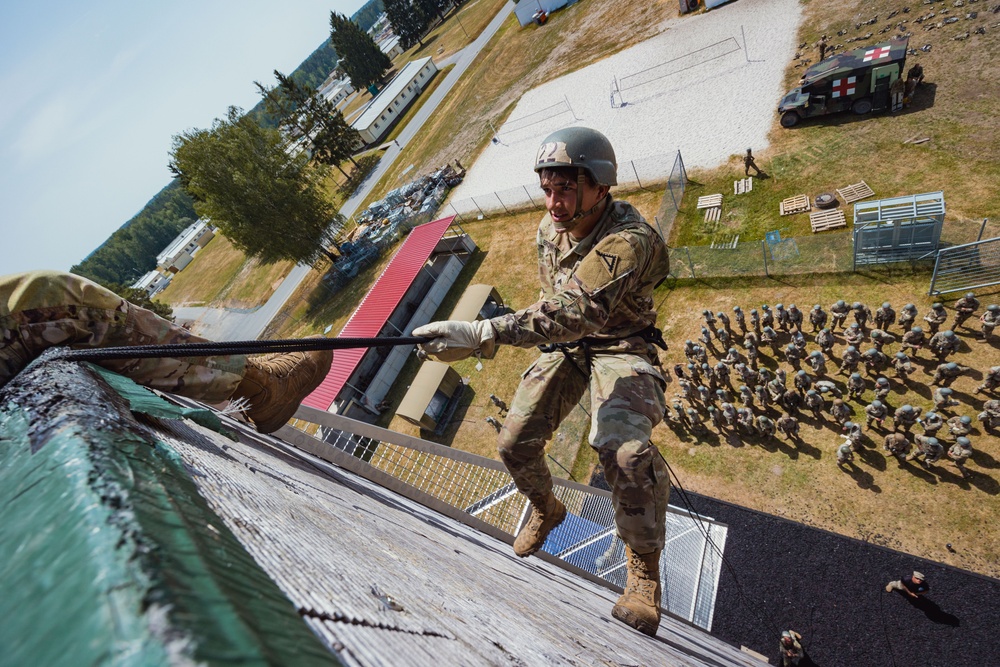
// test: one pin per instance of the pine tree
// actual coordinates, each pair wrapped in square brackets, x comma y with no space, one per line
[408,21]
[360,56]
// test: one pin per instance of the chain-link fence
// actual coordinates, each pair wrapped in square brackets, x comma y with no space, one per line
[643,173]
[447,479]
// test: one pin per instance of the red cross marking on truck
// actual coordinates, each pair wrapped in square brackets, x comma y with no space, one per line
[844,87]
[875,54]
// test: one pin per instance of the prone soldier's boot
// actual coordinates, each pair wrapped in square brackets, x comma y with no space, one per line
[545,516]
[274,387]
[639,607]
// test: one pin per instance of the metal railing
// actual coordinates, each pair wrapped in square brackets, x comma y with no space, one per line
[970,266]
[481,492]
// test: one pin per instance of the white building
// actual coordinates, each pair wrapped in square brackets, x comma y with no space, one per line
[393,100]
[153,283]
[391,47]
[181,251]
[336,91]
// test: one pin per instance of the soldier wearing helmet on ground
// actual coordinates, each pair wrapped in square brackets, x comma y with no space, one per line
[599,262]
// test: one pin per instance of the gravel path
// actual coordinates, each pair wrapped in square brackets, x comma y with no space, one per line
[704,97]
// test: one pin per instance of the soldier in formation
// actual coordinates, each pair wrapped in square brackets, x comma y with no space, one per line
[767,317]
[789,425]
[907,316]
[795,318]
[741,319]
[959,426]
[945,374]
[876,413]
[744,421]
[815,403]
[936,317]
[897,445]
[838,313]
[855,386]
[989,321]
[765,427]
[750,345]
[943,344]
[793,355]
[725,322]
[959,453]
[781,317]
[928,450]
[849,362]
[817,362]
[862,314]
[716,418]
[964,309]
[817,318]
[802,382]
[942,398]
[882,388]
[932,423]
[825,340]
[844,454]
[991,381]
[905,417]
[840,412]
[880,339]
[914,340]
[884,317]
[853,436]
[854,335]
[990,416]
[755,321]
[875,361]
[901,364]
[709,319]
[770,337]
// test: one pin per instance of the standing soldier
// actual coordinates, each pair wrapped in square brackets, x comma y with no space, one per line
[499,403]
[789,425]
[724,319]
[943,344]
[990,416]
[854,335]
[817,318]
[750,344]
[905,417]
[862,314]
[733,357]
[844,454]
[706,337]
[695,422]
[945,374]
[800,342]
[706,372]
[990,320]
[741,319]
[855,386]
[767,319]
[825,340]
[936,317]
[882,388]
[744,421]
[729,413]
[781,316]
[705,395]
[885,317]
[745,373]
[880,339]
[990,382]
[943,400]
[792,355]
[681,416]
[876,413]
[875,361]
[897,445]
[817,362]
[964,308]
[914,340]
[849,362]
[838,312]
[694,373]
[795,317]
[959,453]
[679,372]
[840,412]
[802,382]
[723,395]
[598,263]
[746,396]
[775,390]
[853,436]
[932,423]
[755,321]
[749,163]
[709,319]
[765,427]
[814,402]
[722,375]
[792,401]
[689,348]
[929,450]
[716,418]
[960,426]
[763,396]
[723,336]
[907,316]
[901,363]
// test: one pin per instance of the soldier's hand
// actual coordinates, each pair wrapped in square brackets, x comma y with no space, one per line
[453,340]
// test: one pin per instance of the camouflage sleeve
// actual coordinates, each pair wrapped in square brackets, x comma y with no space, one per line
[607,273]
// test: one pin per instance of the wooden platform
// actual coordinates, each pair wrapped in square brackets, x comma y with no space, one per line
[713,214]
[829,219]
[743,185]
[856,192]
[793,205]
[708,201]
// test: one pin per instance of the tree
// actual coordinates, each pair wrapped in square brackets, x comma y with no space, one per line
[408,21]
[360,56]
[431,7]
[267,200]
[302,112]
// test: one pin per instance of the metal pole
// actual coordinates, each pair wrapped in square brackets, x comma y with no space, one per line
[982,228]
[854,251]
[745,54]
[566,99]
[632,162]
[690,263]
[501,203]
[763,252]
[481,213]
[937,262]
[529,196]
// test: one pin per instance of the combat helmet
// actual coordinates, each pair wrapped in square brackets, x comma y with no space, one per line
[581,147]
[965,419]
[963,442]
[951,365]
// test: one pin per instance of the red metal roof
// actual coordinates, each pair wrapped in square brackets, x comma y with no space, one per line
[377,306]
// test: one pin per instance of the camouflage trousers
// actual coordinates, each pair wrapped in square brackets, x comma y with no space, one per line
[626,396]
[43,309]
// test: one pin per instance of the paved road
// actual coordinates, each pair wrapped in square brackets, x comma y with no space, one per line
[225,324]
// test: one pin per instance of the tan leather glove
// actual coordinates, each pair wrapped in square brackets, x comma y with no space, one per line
[454,340]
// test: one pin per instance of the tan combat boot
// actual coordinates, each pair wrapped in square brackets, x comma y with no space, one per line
[640,606]
[542,521]
[275,386]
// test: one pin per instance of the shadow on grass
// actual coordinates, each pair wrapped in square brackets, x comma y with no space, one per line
[933,611]
[864,479]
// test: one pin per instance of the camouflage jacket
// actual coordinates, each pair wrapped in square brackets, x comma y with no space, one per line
[600,287]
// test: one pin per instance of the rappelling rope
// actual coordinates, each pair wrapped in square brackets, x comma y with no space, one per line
[215,348]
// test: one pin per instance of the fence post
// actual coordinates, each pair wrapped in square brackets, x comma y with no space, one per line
[763,252]
[854,251]
[632,162]
[481,213]
[529,196]
[497,195]
[745,53]
[937,261]
[982,228]
[690,263]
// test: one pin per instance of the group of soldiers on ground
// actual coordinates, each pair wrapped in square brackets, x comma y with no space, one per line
[737,395]
[502,407]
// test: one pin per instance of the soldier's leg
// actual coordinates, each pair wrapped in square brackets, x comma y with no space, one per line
[626,404]
[894,586]
[549,390]
[49,308]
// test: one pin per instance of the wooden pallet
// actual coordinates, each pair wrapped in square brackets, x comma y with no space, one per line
[743,185]
[793,205]
[726,242]
[856,192]
[708,201]
[829,219]
[713,214]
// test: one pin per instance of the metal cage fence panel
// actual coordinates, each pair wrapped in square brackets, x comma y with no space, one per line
[483,488]
[681,63]
[964,267]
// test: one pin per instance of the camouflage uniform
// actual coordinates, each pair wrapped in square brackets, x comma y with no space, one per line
[960,425]
[840,412]
[990,416]
[875,413]
[600,288]
[789,425]
[964,308]
[838,312]
[795,317]
[744,421]
[802,382]
[990,320]
[914,340]
[880,338]
[765,427]
[817,362]
[43,309]
[884,317]
[844,454]
[882,388]
[817,317]
[825,340]
[770,337]
[767,319]
[862,314]
[792,355]
[991,380]
[755,321]
[815,403]
[907,316]
[854,335]
[781,317]
[959,453]
[929,450]
[897,445]
[902,364]
[875,361]
[855,386]
[942,399]
[945,374]
[741,318]
[905,419]
[936,317]
[932,423]
[943,345]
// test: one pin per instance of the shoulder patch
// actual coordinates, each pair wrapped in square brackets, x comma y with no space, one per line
[611,258]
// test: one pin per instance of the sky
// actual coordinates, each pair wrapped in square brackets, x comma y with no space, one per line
[93,92]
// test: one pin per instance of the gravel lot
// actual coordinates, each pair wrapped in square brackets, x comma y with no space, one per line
[703,96]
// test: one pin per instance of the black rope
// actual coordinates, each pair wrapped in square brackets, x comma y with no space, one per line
[217,348]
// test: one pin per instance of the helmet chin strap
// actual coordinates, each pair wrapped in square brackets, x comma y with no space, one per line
[581,180]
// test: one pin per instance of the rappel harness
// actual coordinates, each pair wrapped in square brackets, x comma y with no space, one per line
[650,334]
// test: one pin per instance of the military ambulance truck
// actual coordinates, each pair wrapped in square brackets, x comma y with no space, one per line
[857,80]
